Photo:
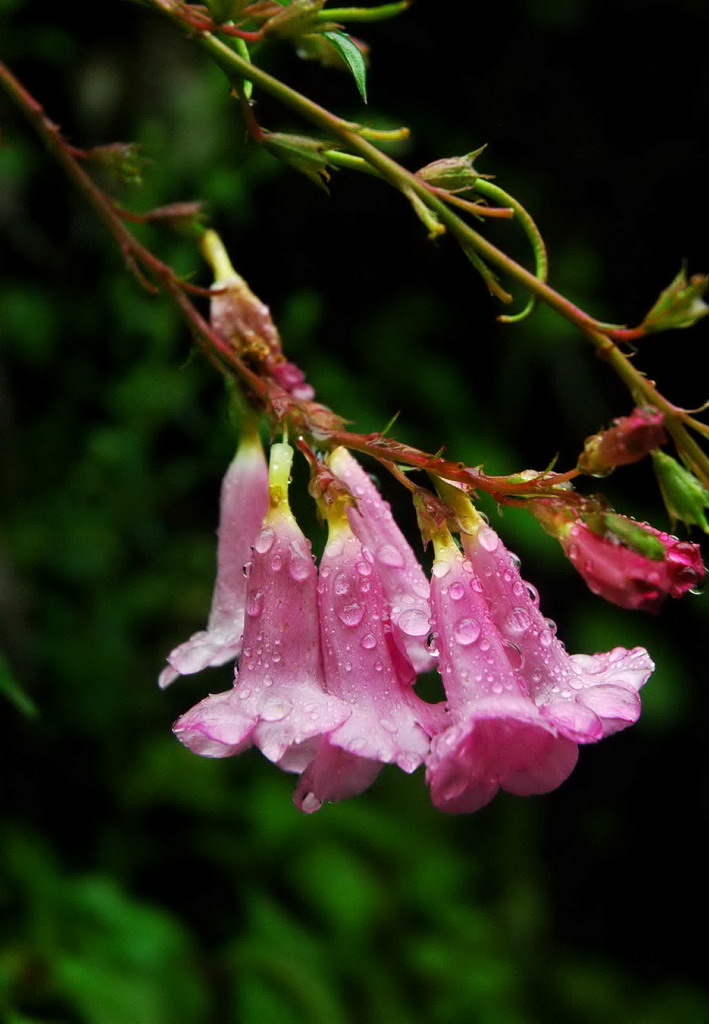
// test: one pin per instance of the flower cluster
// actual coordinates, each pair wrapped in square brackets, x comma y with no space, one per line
[328,656]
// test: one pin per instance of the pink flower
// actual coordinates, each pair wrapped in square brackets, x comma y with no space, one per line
[585,697]
[278,701]
[404,582]
[627,577]
[367,670]
[498,738]
[244,499]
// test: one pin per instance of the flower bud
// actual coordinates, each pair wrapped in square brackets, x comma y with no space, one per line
[680,304]
[454,173]
[632,564]
[301,153]
[685,497]
[628,440]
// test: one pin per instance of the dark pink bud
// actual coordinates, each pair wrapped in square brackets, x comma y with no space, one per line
[629,439]
[627,576]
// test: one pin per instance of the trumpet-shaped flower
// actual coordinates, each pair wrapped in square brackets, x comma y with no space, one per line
[404,581]
[498,738]
[586,697]
[244,499]
[278,701]
[367,670]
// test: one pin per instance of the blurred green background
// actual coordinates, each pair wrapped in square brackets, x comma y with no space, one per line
[142,885]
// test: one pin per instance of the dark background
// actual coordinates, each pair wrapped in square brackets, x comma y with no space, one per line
[142,885]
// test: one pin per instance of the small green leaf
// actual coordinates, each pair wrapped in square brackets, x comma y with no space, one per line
[352,56]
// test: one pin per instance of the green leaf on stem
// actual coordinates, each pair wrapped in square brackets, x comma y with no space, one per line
[353,58]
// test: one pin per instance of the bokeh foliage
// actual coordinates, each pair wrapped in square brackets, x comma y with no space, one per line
[142,885]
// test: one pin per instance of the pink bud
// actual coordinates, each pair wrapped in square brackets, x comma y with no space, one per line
[629,439]
[627,577]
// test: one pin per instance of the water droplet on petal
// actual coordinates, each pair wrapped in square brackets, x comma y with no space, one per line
[440,568]
[246,569]
[514,655]
[299,568]
[533,593]
[391,556]
[351,614]
[254,604]
[517,621]
[276,563]
[342,583]
[276,709]
[467,631]
[457,591]
[310,803]
[363,568]
[488,539]
[414,622]
[432,645]
[369,641]
[265,540]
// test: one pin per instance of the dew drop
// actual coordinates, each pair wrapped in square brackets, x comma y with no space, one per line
[386,724]
[476,585]
[514,655]
[467,631]
[365,586]
[391,556]
[515,559]
[517,621]
[533,593]
[414,622]
[488,539]
[276,563]
[369,641]
[440,568]
[363,568]
[298,568]
[457,591]
[342,583]
[276,709]
[351,614]
[310,803]
[348,666]
[432,645]
[265,540]
[246,569]
[275,659]
[545,638]
[254,604]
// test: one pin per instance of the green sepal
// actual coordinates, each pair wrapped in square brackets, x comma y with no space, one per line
[304,154]
[684,495]
[680,304]
[634,536]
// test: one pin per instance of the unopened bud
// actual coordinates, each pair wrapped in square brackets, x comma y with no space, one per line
[629,439]
[454,173]
[302,153]
[680,304]
[295,19]
[685,497]
[123,160]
